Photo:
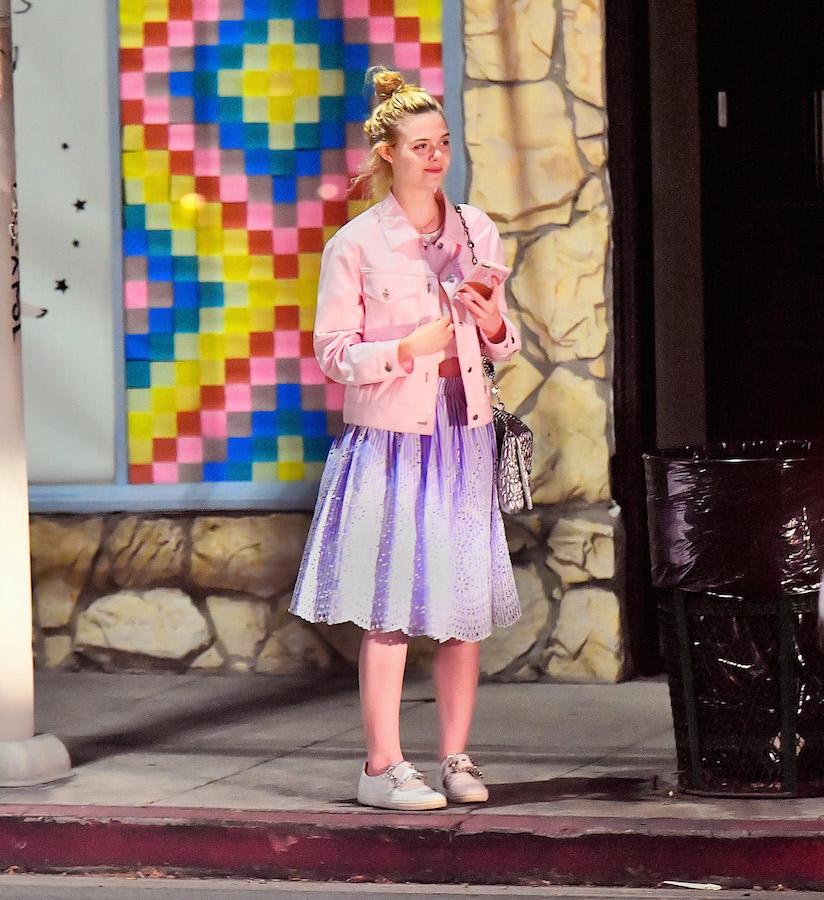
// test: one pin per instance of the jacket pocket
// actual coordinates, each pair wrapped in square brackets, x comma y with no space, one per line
[391,287]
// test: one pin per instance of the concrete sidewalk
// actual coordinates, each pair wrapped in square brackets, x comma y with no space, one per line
[255,774]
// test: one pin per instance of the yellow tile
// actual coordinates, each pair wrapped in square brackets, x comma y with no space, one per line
[212,320]
[261,319]
[237,346]
[212,371]
[330,82]
[229,83]
[158,216]
[156,10]
[255,84]
[235,241]
[164,424]
[156,188]
[430,9]
[309,265]
[140,451]
[134,164]
[282,109]
[209,241]
[282,57]
[184,219]
[235,268]
[307,109]
[290,471]
[264,471]
[133,190]
[184,242]
[131,12]
[212,347]
[235,293]
[139,400]
[406,8]
[260,267]
[281,31]
[210,268]
[163,400]
[306,56]
[180,186]
[281,136]
[306,81]
[162,374]
[431,31]
[157,162]
[140,425]
[187,373]
[187,399]
[186,347]
[284,291]
[133,137]
[209,215]
[290,448]
[237,320]
[131,36]
[255,109]
[328,232]
[281,84]
[356,207]
[306,317]
[256,57]
[312,471]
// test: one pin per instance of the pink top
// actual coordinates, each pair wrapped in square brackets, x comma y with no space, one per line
[376,286]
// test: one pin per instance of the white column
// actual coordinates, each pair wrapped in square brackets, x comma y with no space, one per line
[24,758]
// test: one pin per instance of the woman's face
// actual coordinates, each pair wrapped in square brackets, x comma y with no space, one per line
[422,154]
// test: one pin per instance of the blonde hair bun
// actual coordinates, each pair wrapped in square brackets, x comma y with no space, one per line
[386,82]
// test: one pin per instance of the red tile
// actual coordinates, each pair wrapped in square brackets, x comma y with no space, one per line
[131,60]
[164,450]
[155,34]
[262,343]
[286,266]
[334,212]
[310,240]
[208,186]
[156,137]
[180,9]
[287,318]
[260,243]
[407,29]
[181,162]
[382,7]
[131,112]
[140,474]
[212,396]
[430,55]
[188,424]
[237,371]
[306,346]
[234,215]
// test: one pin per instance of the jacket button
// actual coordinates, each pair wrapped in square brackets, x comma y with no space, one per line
[469,369]
[388,367]
[475,417]
[513,339]
[440,245]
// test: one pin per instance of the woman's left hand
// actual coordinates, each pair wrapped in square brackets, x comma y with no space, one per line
[485,310]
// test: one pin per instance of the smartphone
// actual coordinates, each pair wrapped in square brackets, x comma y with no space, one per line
[485,275]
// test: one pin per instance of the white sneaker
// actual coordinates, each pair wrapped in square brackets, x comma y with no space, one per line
[399,787]
[461,780]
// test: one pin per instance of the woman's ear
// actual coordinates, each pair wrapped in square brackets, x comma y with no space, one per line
[384,151]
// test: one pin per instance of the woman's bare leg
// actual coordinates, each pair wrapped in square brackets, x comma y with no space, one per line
[457,664]
[381,665]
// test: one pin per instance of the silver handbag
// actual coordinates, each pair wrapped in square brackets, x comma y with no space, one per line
[514,451]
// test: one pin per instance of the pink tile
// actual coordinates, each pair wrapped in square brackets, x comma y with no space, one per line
[408,55]
[382,29]
[310,372]
[181,33]
[354,157]
[132,86]
[333,187]
[238,397]
[285,240]
[310,214]
[334,395]
[233,188]
[156,110]
[207,161]
[181,137]
[136,294]
[189,449]
[356,8]
[165,473]
[156,59]
[213,423]
[432,80]
[259,216]
[206,10]
[287,344]
[262,370]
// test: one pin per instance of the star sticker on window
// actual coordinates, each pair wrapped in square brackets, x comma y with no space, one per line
[61,285]
[64,146]
[75,243]
[79,205]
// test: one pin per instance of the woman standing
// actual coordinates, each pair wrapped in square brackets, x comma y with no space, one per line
[407,537]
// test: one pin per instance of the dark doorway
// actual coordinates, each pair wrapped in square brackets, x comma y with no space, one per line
[761,83]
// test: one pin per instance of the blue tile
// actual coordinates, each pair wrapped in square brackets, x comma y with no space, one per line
[230,57]
[134,215]
[256,31]
[307,162]
[187,321]
[288,396]
[305,9]
[306,31]
[356,56]
[283,162]
[206,110]
[354,84]
[214,471]
[330,31]
[307,136]
[282,9]
[206,58]
[230,109]
[185,268]
[162,347]
[159,242]
[264,424]
[264,449]
[138,374]
[160,268]
[332,109]
[238,471]
[330,56]
[135,242]
[232,136]
[230,31]
[332,135]
[259,161]
[289,421]
[256,135]
[211,293]
[161,321]
[357,109]
[314,423]
[239,449]
[137,346]
[255,9]
[284,189]
[316,449]
[185,294]
[181,84]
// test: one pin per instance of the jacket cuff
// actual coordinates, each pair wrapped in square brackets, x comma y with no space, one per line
[504,349]
[388,361]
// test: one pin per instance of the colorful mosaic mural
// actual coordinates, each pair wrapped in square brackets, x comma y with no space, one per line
[241,129]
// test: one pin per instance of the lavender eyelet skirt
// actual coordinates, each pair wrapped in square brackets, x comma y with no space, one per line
[407,533]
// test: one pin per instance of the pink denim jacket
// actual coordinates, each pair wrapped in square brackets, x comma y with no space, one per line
[375,288]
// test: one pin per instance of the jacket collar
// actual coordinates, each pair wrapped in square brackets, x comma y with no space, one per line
[398,230]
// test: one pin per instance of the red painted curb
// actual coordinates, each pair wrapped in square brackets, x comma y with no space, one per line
[479,848]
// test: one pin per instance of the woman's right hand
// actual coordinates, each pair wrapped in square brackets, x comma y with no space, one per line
[429,338]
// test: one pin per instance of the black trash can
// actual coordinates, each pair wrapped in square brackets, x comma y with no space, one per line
[737,541]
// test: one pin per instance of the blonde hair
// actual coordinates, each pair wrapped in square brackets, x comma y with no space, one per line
[396,101]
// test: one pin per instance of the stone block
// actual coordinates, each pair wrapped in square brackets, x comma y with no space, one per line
[522,531]
[581,550]
[161,623]
[57,652]
[525,165]
[592,195]
[257,555]
[505,645]
[62,551]
[583,32]
[209,659]
[239,623]
[586,642]
[508,41]
[141,553]
[589,121]
[517,379]
[293,648]
[571,458]
[559,288]
[595,151]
